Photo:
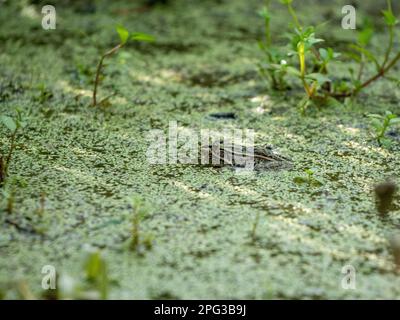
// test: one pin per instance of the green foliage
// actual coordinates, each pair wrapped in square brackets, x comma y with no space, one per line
[96,273]
[308,179]
[137,36]
[12,125]
[275,70]
[381,124]
[390,18]
[92,283]
[44,93]
[308,60]
[124,36]
[8,198]
[139,241]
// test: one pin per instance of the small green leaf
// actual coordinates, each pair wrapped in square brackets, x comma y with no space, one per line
[264,13]
[137,36]
[293,71]
[390,19]
[9,123]
[123,34]
[376,123]
[332,102]
[365,36]
[376,116]
[310,172]
[323,53]
[319,77]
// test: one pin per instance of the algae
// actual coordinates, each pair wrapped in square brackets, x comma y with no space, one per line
[89,162]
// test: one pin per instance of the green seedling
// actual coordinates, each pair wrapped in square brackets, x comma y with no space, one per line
[308,179]
[42,204]
[44,93]
[13,125]
[93,283]
[8,196]
[124,36]
[96,273]
[253,233]
[381,124]
[140,211]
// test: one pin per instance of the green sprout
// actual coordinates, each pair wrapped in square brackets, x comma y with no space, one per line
[92,283]
[381,124]
[253,233]
[13,125]
[124,36]
[9,199]
[139,240]
[96,273]
[308,179]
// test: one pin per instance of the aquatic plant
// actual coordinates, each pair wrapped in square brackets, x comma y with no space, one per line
[124,36]
[96,273]
[253,233]
[44,93]
[389,60]
[8,196]
[311,63]
[139,240]
[13,125]
[275,69]
[92,283]
[381,124]
[309,179]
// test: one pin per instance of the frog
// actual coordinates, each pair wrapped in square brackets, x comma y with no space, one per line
[263,155]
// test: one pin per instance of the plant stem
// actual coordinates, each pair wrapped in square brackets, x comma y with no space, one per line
[254,229]
[390,47]
[380,74]
[268,40]
[98,71]
[294,16]
[7,161]
[303,70]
